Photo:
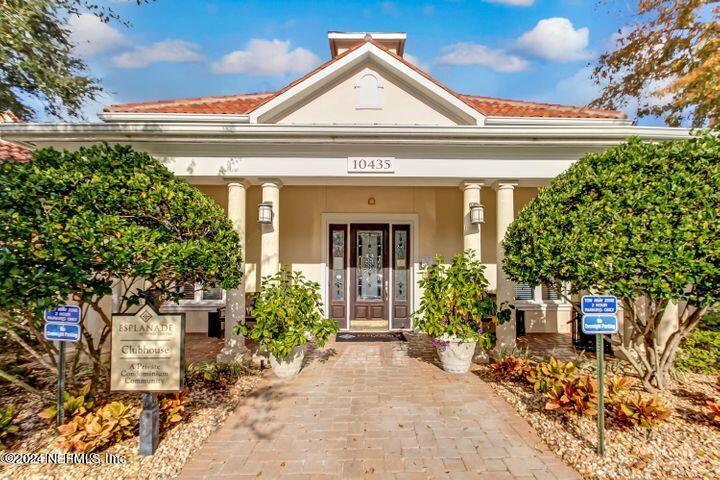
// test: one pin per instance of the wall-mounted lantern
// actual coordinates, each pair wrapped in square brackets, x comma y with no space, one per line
[477,213]
[265,212]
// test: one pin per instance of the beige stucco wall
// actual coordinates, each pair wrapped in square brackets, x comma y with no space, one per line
[196,321]
[336,103]
[439,223]
[548,320]
[439,211]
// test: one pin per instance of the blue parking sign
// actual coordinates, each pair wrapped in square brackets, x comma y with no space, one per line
[600,304]
[599,324]
[62,332]
[64,314]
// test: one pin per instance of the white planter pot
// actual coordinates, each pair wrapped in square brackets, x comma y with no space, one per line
[456,355]
[290,365]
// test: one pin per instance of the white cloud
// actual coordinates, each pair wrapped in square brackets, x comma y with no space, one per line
[516,3]
[476,54]
[90,36]
[173,51]
[416,61]
[556,39]
[579,89]
[267,58]
[389,8]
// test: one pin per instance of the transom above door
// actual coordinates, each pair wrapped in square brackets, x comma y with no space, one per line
[369,276]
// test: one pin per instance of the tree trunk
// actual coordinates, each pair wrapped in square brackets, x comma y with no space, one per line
[45,396]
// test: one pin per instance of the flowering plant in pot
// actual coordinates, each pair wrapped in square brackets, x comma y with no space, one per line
[288,314]
[454,308]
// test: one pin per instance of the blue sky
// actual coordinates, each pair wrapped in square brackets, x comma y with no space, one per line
[524,49]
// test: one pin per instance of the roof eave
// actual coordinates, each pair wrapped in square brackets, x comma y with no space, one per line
[558,121]
[122,117]
[40,135]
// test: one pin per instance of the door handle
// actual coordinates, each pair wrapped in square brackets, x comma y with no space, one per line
[385,293]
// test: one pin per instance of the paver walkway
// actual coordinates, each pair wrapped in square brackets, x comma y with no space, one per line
[376,411]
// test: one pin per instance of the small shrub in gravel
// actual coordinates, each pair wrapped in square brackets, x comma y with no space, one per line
[713,412]
[617,387]
[510,368]
[7,427]
[547,375]
[173,408]
[99,428]
[76,402]
[212,374]
[636,411]
[578,396]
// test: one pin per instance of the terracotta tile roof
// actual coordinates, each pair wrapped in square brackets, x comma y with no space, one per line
[246,103]
[10,151]
[501,107]
[228,104]
[16,153]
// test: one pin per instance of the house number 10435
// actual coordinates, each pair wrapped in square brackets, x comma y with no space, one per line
[370,165]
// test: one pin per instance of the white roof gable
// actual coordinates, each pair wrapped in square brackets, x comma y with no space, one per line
[367,52]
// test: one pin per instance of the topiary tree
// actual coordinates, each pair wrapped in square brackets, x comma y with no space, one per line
[75,224]
[640,221]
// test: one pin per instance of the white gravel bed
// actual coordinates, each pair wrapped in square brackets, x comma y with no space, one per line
[209,409]
[686,446]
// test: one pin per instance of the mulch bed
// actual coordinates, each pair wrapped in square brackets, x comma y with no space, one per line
[686,446]
[208,409]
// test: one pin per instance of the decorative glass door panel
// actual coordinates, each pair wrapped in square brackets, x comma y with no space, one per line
[401,276]
[370,265]
[337,273]
[369,271]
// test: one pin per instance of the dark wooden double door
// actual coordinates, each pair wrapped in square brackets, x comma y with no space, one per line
[375,260]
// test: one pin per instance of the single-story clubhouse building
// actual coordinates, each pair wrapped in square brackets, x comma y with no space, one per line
[359,173]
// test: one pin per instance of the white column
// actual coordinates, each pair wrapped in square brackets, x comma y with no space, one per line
[505,288]
[472,238]
[234,348]
[270,244]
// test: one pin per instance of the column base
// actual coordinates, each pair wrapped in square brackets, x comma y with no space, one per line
[503,348]
[233,351]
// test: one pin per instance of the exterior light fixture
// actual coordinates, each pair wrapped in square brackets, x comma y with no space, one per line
[265,212]
[477,214]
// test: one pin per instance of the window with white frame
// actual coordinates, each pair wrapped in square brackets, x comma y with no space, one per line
[194,293]
[550,293]
[523,291]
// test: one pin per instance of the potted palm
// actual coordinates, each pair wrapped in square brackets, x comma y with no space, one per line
[288,314]
[455,306]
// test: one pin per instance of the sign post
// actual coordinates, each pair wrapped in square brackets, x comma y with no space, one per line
[600,318]
[147,356]
[62,324]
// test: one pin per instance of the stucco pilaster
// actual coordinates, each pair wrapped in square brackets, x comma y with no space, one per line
[472,234]
[505,190]
[234,348]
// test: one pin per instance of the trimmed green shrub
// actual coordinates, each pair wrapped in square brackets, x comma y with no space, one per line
[711,322]
[638,221]
[699,353]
